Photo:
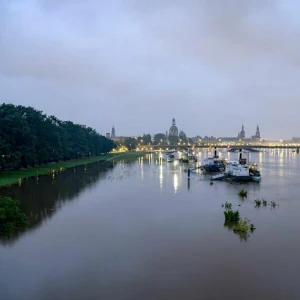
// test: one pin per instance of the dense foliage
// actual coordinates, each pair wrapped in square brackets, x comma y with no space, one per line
[130,143]
[29,137]
[11,217]
[231,216]
[160,138]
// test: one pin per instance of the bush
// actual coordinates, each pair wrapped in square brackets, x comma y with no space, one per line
[243,193]
[231,216]
[11,216]
[257,202]
[242,226]
[227,205]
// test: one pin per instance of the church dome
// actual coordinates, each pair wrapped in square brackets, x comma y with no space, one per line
[182,135]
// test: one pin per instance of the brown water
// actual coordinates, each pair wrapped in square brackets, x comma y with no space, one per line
[141,231]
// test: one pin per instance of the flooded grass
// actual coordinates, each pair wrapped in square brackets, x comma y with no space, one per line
[230,215]
[11,177]
[242,193]
[257,202]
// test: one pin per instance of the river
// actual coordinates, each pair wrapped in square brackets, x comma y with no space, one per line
[140,230]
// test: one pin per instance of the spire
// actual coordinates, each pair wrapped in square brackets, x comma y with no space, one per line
[113,132]
[242,133]
[257,134]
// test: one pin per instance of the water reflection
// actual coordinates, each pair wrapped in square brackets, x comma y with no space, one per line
[161,176]
[243,236]
[141,162]
[175,182]
[40,203]
[137,239]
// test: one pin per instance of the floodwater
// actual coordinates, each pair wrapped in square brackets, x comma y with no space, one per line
[141,230]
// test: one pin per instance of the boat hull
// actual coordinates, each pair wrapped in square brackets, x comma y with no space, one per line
[212,168]
[241,178]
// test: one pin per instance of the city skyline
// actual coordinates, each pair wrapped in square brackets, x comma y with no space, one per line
[136,64]
[174,130]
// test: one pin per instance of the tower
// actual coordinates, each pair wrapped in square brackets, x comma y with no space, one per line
[173,129]
[242,135]
[113,132]
[243,132]
[257,134]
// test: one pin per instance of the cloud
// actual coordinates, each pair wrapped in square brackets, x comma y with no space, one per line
[215,55]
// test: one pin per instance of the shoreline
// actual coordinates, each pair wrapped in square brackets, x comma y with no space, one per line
[12,177]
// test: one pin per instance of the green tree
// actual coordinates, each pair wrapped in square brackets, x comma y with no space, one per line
[130,143]
[160,138]
[29,137]
[173,139]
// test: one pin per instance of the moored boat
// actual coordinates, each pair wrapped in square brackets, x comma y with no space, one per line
[170,158]
[213,164]
[242,172]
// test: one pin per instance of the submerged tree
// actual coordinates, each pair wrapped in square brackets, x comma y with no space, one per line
[11,216]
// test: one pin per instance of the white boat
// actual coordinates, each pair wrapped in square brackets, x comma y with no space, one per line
[171,151]
[170,158]
[242,172]
[219,177]
[237,171]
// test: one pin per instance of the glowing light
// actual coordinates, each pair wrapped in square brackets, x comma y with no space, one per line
[175,182]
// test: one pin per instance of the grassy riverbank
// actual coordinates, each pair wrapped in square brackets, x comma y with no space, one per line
[11,177]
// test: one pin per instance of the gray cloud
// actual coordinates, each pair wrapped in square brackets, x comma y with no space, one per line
[226,61]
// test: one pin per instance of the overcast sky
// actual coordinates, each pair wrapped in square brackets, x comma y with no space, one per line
[138,63]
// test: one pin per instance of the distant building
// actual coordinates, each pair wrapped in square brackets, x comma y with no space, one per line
[296,139]
[173,131]
[228,139]
[256,137]
[119,138]
[82,126]
[242,135]
[107,135]
[113,132]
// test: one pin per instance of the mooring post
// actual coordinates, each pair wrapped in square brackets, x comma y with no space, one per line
[240,154]
[297,150]
[216,156]
[189,173]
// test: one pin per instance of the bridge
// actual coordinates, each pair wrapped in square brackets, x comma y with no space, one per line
[213,146]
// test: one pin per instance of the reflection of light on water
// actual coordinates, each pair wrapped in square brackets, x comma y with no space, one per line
[161,176]
[260,157]
[175,181]
[142,167]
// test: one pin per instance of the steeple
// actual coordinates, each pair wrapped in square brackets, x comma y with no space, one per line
[257,134]
[113,132]
[173,122]
[243,131]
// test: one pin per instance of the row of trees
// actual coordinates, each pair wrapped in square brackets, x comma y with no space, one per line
[158,139]
[30,137]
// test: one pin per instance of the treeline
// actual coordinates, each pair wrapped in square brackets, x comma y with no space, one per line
[29,137]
